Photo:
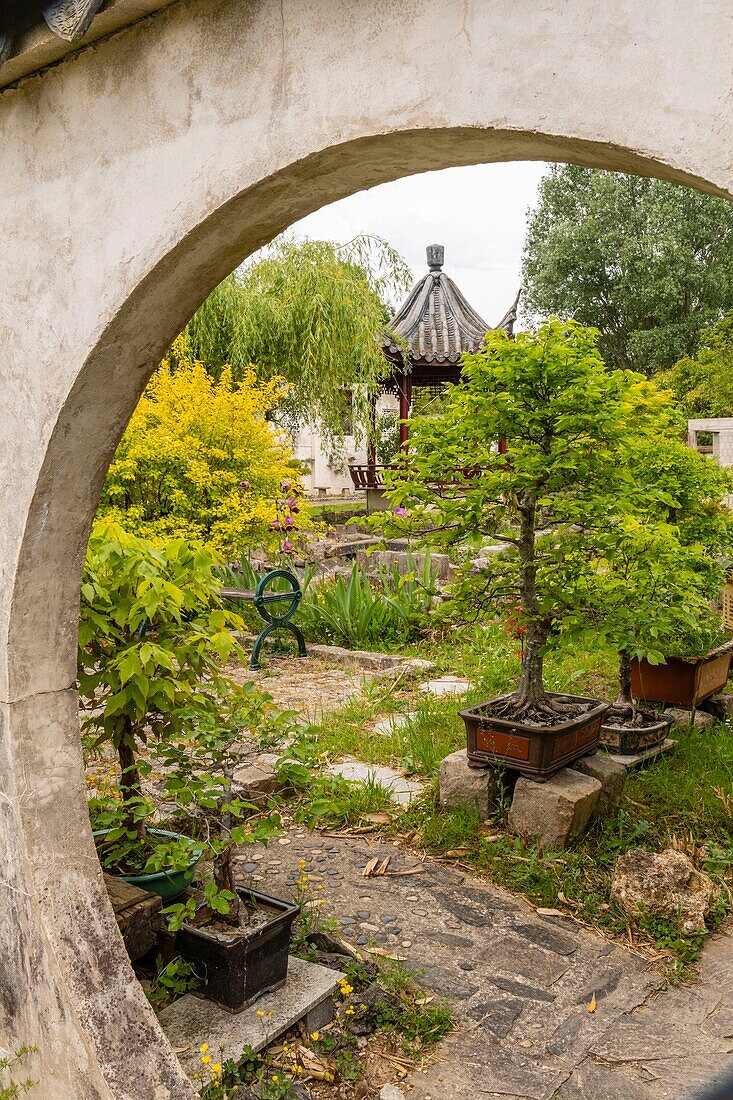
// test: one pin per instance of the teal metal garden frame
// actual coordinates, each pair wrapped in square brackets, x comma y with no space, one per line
[265,603]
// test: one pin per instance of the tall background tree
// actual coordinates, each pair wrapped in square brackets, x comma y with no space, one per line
[649,264]
[312,313]
[703,383]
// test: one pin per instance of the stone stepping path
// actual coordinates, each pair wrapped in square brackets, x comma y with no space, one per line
[400,789]
[520,983]
[388,726]
[446,685]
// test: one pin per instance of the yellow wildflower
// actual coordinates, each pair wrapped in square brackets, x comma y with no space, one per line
[204,1047]
[205,1059]
[315,1036]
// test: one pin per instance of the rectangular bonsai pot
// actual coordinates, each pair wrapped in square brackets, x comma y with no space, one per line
[536,751]
[235,970]
[628,740]
[680,682]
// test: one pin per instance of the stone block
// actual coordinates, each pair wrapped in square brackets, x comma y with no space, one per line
[554,811]
[701,720]
[191,1021]
[610,774]
[254,782]
[720,706]
[405,561]
[391,1092]
[461,785]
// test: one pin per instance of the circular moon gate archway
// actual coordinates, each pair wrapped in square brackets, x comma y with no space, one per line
[136,174]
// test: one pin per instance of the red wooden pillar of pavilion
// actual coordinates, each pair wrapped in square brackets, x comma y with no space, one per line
[405,395]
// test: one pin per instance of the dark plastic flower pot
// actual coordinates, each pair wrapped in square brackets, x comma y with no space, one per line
[628,740]
[170,884]
[236,969]
[680,682]
[536,751]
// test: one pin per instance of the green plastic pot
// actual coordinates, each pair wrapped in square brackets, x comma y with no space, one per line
[168,885]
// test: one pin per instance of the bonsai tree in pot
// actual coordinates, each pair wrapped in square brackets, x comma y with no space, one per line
[561,481]
[236,938]
[661,569]
[652,587]
[152,640]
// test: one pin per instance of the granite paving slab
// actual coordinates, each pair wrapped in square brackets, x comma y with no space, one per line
[191,1021]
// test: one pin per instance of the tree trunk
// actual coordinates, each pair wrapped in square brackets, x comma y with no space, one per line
[130,783]
[224,880]
[531,690]
[624,701]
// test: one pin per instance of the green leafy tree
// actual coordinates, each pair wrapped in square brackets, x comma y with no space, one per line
[569,424]
[312,313]
[153,637]
[703,383]
[648,263]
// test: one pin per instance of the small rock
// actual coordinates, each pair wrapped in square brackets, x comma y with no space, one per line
[664,884]
[461,785]
[388,918]
[347,920]
[363,915]
[446,685]
[554,811]
[391,1092]
[361,940]
[248,868]
[683,717]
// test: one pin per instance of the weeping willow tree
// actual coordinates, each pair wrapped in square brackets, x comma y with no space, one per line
[313,313]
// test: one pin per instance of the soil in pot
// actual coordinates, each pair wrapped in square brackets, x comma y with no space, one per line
[237,965]
[627,734]
[533,748]
[169,883]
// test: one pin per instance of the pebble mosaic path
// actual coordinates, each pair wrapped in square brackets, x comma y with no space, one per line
[520,983]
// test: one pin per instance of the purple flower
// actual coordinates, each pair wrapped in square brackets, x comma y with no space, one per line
[291,502]
[275,525]
[289,522]
[244,485]
[287,546]
[400,511]
[285,486]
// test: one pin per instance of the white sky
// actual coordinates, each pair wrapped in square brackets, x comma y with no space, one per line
[478,213]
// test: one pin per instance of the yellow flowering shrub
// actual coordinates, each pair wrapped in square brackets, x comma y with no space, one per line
[199,460]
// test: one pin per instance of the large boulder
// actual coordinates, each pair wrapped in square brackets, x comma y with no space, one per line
[554,811]
[663,884]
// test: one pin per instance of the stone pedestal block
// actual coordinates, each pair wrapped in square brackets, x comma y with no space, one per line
[610,774]
[554,811]
[464,786]
[683,717]
[720,706]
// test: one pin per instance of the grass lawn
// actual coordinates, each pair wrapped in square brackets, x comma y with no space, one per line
[684,800]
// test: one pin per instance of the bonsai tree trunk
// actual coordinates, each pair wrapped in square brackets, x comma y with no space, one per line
[624,703]
[130,782]
[530,697]
[224,880]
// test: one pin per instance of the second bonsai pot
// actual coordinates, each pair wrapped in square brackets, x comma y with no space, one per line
[236,968]
[167,884]
[680,682]
[532,750]
[628,740]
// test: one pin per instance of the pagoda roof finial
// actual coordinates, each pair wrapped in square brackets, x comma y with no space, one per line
[436,256]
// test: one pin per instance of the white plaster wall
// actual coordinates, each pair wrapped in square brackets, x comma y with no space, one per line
[136,174]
